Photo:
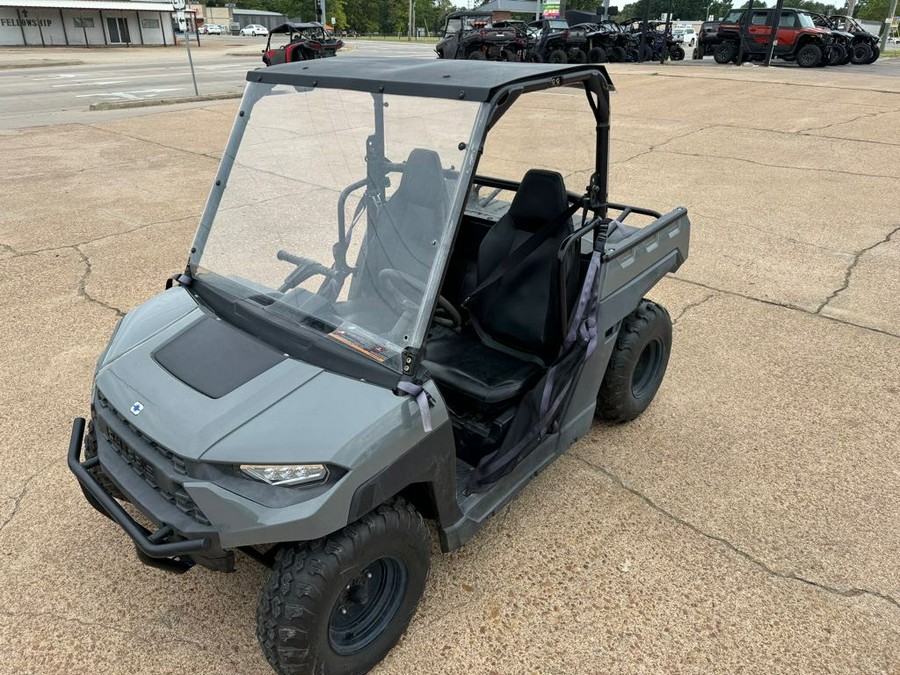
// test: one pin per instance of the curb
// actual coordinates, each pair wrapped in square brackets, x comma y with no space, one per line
[39,64]
[146,103]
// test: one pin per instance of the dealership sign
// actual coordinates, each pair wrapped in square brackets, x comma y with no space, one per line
[550,10]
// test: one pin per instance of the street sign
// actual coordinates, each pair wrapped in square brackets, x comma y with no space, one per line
[178,5]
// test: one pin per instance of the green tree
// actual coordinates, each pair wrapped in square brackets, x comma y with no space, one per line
[873,10]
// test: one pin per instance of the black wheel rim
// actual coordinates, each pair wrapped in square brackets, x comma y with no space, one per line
[647,368]
[367,605]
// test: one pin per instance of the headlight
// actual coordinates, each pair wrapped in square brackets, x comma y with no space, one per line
[286,474]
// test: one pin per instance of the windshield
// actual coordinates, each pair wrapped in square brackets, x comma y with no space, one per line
[338,215]
[734,16]
[805,20]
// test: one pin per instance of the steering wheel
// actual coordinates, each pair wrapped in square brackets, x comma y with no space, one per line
[391,276]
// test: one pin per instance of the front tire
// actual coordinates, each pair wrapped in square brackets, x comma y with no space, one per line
[558,56]
[725,53]
[637,365]
[676,54]
[876,52]
[618,54]
[860,53]
[836,54]
[597,55]
[809,56]
[339,604]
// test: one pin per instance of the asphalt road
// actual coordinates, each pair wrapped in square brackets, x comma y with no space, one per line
[60,94]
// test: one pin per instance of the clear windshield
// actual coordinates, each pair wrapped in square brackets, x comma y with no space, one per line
[805,20]
[338,214]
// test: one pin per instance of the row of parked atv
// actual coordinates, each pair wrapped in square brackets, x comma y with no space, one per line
[475,36]
[808,38]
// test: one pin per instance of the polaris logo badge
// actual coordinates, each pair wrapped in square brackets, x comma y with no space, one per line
[136,408]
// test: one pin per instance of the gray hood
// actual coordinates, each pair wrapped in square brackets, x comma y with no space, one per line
[291,412]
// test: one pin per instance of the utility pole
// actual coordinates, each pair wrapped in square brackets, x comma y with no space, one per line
[888,22]
[411,19]
[773,34]
[851,5]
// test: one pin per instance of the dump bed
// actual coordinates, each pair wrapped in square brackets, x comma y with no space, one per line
[636,258]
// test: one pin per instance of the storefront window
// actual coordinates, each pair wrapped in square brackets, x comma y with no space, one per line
[84,22]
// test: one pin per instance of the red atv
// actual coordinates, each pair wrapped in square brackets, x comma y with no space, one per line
[797,37]
[304,41]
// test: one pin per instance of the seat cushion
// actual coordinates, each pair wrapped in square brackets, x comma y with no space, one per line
[470,368]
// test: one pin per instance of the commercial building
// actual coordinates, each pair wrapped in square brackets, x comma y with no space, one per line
[85,23]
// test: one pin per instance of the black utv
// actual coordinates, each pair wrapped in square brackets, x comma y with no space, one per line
[471,35]
[864,45]
[556,42]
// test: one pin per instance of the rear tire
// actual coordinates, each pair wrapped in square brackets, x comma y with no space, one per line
[558,56]
[508,55]
[637,365]
[476,55]
[339,604]
[724,53]
[676,54]
[597,55]
[809,56]
[618,54]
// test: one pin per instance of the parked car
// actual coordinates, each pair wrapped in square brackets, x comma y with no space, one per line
[685,35]
[254,29]
[211,29]
[797,38]
[302,42]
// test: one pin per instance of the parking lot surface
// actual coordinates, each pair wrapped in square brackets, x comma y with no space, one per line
[747,522]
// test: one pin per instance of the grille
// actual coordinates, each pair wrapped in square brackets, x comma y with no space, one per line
[178,497]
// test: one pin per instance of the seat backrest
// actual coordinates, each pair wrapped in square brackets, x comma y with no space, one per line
[522,309]
[405,227]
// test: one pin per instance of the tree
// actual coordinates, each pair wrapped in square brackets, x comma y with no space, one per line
[873,10]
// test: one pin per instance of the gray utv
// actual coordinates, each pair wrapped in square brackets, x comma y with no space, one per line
[370,331]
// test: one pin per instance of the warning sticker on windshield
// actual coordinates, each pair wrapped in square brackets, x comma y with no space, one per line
[364,342]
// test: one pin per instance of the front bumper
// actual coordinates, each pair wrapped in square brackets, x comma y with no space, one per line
[176,546]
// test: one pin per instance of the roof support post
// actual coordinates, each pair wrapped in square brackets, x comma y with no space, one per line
[140,30]
[103,28]
[162,28]
[62,20]
[21,27]
[41,32]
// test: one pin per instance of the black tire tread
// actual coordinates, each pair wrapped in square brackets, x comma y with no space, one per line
[615,391]
[301,573]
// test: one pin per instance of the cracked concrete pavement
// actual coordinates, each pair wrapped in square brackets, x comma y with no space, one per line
[746,523]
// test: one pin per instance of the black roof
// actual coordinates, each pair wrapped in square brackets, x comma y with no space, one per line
[293,25]
[469,12]
[437,78]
